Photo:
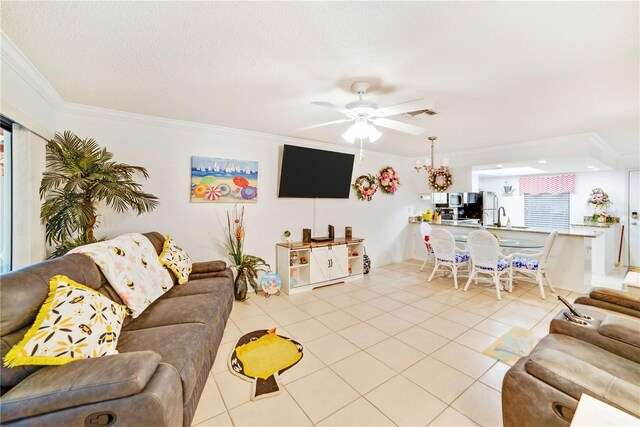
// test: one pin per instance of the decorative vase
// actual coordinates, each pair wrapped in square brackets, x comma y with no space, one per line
[240,287]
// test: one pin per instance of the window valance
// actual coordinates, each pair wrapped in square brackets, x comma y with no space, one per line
[555,184]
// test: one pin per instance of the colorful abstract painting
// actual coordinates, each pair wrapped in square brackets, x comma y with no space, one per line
[223,180]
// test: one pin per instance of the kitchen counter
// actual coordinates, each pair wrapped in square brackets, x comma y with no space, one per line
[596,224]
[574,256]
[581,233]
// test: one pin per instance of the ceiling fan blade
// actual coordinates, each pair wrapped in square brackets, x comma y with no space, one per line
[333,107]
[405,107]
[399,126]
[335,122]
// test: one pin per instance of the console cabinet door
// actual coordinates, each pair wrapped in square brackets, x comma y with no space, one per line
[319,265]
[339,261]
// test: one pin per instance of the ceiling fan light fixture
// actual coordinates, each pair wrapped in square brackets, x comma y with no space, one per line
[361,129]
[374,134]
[349,135]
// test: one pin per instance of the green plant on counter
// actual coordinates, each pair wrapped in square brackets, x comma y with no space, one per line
[79,175]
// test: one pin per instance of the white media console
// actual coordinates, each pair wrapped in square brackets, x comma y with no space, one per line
[304,266]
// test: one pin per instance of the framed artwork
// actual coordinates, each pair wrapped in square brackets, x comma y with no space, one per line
[216,180]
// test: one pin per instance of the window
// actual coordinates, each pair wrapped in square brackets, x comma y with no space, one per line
[546,210]
[5,195]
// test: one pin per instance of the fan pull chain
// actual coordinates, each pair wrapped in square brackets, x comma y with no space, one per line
[361,157]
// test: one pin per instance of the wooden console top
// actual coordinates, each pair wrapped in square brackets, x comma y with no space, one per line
[302,245]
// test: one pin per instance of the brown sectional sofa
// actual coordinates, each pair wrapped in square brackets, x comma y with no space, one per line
[165,354]
[600,358]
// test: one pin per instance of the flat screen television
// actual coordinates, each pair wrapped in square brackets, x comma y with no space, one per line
[310,173]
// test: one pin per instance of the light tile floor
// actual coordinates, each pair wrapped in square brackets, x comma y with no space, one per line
[390,349]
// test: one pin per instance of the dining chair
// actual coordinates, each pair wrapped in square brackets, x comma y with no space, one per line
[486,258]
[447,254]
[531,262]
[425,231]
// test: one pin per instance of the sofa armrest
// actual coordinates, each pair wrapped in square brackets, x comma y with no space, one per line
[574,377]
[203,270]
[78,383]
[612,299]
[208,267]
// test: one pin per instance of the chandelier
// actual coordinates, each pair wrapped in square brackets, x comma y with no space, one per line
[429,163]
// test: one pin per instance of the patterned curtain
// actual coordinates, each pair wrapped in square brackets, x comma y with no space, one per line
[555,184]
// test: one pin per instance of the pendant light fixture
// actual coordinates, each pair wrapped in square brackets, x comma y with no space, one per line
[429,163]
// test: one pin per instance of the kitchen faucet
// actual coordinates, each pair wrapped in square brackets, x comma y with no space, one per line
[505,214]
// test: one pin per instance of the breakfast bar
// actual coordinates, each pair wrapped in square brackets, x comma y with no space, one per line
[569,269]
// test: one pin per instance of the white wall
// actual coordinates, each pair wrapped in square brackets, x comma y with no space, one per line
[166,151]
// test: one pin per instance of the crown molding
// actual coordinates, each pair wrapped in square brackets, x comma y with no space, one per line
[168,123]
[19,117]
[14,57]
[569,144]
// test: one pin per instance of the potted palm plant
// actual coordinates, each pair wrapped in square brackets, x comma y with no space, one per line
[246,266]
[79,175]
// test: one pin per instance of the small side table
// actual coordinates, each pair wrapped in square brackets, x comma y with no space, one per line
[592,412]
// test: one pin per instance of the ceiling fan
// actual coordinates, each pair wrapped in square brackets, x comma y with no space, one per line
[366,115]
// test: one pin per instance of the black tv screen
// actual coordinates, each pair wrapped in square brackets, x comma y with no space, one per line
[310,173]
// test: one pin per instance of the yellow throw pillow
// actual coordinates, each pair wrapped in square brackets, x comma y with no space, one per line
[75,322]
[176,259]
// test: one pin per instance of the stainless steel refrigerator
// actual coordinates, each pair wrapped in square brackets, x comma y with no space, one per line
[489,208]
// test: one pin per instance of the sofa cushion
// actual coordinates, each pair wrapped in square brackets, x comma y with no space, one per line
[176,260]
[615,365]
[614,296]
[186,346]
[574,377]
[172,311]
[621,328]
[131,265]
[75,322]
[23,292]
[201,286]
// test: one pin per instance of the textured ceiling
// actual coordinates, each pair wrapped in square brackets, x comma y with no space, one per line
[498,72]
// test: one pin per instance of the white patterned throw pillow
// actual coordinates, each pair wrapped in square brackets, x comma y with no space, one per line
[75,322]
[176,259]
[130,264]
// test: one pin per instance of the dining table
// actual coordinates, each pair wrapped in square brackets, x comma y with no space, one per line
[509,243]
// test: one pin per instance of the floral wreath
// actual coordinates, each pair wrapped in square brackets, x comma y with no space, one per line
[389,180]
[365,187]
[439,179]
